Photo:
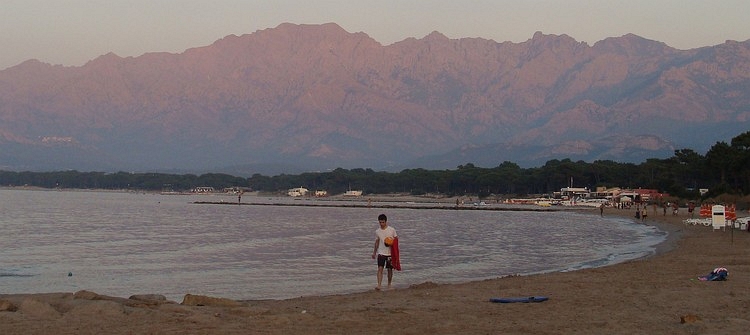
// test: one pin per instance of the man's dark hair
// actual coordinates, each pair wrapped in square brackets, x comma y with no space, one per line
[382,217]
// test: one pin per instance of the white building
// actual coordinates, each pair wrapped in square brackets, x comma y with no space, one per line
[203,189]
[297,192]
[569,193]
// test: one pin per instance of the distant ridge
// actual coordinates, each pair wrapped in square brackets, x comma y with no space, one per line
[315,97]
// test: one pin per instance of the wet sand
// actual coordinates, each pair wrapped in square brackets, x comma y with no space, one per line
[653,295]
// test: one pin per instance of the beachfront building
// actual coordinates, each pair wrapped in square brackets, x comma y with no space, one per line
[353,193]
[297,192]
[203,189]
[606,193]
[643,195]
[321,193]
[236,190]
[572,193]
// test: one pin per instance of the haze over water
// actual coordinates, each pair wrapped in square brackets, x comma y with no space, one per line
[122,244]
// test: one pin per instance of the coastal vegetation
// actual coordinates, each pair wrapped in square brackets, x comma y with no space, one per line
[724,169]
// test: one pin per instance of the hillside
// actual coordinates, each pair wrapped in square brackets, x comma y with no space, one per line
[314,97]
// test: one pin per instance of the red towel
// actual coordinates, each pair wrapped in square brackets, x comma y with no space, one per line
[395,259]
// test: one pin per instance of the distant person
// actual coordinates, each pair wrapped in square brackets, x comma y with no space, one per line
[601,210]
[382,252]
[644,214]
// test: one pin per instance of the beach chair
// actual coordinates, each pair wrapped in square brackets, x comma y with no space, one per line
[718,221]
[743,222]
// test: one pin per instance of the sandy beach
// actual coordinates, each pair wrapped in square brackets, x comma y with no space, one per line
[656,295]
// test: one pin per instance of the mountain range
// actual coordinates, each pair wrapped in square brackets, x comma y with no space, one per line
[300,98]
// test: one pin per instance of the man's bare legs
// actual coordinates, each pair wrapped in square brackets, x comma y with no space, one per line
[380,278]
[390,277]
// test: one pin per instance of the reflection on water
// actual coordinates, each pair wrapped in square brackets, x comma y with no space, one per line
[126,243]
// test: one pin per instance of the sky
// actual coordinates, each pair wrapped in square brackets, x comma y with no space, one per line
[72,32]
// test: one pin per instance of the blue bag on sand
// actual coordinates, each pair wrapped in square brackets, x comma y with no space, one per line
[717,274]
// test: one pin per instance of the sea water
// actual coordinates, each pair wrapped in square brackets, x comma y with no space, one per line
[125,243]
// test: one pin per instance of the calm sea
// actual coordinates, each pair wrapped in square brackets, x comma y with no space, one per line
[122,244]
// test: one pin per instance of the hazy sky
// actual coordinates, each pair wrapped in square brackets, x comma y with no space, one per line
[72,32]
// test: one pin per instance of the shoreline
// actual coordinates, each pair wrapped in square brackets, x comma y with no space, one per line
[649,294]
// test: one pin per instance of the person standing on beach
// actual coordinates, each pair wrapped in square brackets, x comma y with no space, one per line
[381,252]
[638,212]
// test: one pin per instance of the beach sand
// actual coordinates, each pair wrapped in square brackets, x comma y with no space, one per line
[653,295]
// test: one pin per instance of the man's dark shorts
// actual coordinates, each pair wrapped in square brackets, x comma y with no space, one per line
[385,261]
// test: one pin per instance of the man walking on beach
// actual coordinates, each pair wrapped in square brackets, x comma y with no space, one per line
[382,252]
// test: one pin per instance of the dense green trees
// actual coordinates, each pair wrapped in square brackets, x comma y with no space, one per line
[118,181]
[724,169]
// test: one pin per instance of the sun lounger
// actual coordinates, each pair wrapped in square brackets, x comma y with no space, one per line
[698,222]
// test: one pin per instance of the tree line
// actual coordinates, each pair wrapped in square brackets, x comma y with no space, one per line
[724,169]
